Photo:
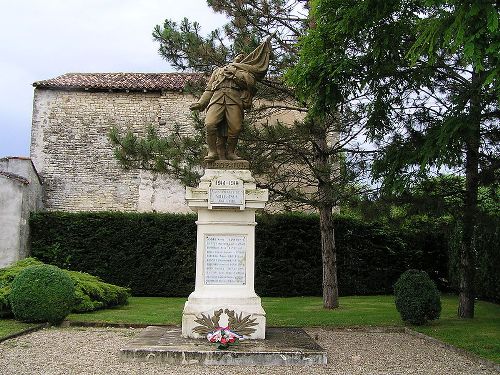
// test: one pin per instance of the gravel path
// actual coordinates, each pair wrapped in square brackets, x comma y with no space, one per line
[96,351]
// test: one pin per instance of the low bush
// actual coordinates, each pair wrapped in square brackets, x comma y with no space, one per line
[42,293]
[7,276]
[417,298]
[91,293]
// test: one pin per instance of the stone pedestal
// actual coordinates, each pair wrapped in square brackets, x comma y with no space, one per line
[226,201]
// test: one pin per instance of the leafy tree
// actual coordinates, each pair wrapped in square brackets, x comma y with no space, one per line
[468,33]
[428,75]
[306,163]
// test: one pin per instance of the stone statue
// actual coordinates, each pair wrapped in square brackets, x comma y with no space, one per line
[228,93]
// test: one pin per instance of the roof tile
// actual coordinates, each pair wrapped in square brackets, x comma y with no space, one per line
[122,81]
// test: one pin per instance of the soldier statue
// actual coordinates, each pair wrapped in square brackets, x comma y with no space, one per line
[228,93]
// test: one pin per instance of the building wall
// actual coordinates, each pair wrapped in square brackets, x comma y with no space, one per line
[11,199]
[20,194]
[74,157]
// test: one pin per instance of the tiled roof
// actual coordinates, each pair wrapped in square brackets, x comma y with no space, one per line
[14,157]
[121,81]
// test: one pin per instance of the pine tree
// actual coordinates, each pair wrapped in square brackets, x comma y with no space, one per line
[313,163]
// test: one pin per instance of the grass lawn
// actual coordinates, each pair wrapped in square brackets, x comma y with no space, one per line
[287,312]
[9,327]
[480,335]
[140,310]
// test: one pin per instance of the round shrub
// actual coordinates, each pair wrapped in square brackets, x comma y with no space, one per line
[42,293]
[417,298]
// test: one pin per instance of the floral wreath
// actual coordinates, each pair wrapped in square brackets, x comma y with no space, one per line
[223,337]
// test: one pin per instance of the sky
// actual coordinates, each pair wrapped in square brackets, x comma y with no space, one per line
[44,39]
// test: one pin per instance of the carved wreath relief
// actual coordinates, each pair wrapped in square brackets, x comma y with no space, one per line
[237,323]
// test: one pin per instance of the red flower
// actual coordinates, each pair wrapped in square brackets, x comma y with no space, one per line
[223,340]
[231,340]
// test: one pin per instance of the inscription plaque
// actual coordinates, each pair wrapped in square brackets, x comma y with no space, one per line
[226,197]
[225,259]
[226,193]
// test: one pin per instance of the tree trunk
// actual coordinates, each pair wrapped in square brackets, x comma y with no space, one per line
[323,171]
[467,256]
[329,257]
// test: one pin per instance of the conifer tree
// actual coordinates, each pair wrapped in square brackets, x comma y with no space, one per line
[429,73]
[312,163]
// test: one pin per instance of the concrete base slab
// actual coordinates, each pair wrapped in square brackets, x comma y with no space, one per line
[282,347]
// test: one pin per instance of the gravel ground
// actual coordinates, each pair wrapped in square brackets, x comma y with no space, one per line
[96,351]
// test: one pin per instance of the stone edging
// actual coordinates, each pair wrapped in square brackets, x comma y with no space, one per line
[76,323]
[24,332]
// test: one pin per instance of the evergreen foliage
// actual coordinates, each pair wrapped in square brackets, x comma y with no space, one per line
[177,154]
[426,76]
[42,293]
[417,298]
[154,254]
[7,276]
[91,293]
[486,244]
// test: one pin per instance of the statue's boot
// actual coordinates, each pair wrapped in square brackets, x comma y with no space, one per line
[221,147]
[212,146]
[231,147]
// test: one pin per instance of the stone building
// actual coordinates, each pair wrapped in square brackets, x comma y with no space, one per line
[72,115]
[20,194]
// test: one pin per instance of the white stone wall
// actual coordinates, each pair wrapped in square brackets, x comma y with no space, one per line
[11,200]
[74,157]
[20,194]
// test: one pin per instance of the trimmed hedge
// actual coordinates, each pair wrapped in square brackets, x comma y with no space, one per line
[486,242]
[155,254]
[90,293]
[42,293]
[370,257]
[417,298]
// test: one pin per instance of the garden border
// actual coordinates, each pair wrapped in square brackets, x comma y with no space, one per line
[24,332]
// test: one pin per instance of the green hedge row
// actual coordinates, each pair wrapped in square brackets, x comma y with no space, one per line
[487,249]
[487,241]
[154,254]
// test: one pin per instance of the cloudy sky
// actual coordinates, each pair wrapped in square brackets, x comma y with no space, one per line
[43,39]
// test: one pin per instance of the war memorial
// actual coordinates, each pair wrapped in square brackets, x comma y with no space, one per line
[224,308]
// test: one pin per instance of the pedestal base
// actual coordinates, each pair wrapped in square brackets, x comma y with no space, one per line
[224,294]
[283,347]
